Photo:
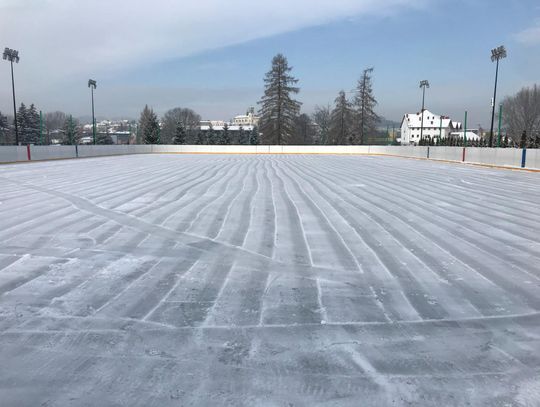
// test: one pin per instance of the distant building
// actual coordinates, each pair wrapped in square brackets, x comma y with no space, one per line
[231,127]
[435,126]
[472,134]
[249,119]
[213,123]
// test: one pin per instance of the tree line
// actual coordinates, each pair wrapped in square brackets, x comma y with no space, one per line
[182,126]
[349,121]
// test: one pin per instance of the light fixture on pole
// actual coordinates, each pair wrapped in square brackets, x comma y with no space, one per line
[92,84]
[496,55]
[13,56]
[423,84]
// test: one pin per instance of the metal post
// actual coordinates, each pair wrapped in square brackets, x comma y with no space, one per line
[422,112]
[440,129]
[14,106]
[493,105]
[40,128]
[465,131]
[93,117]
[500,123]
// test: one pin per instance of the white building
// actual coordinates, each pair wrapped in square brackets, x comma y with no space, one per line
[434,126]
[248,119]
[232,127]
[472,135]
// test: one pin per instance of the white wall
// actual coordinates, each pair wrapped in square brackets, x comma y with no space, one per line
[11,154]
[494,156]
[533,158]
[103,150]
[446,153]
[51,152]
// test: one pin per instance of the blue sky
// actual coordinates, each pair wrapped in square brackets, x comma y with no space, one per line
[215,63]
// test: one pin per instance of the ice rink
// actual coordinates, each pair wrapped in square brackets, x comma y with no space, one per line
[268,280]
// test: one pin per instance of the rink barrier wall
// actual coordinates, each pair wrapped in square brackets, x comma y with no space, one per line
[495,157]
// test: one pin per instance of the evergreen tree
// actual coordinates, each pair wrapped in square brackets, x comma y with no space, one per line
[179,134]
[243,136]
[4,127]
[278,108]
[365,103]
[200,138]
[22,121]
[341,120]
[225,135]
[71,131]
[31,135]
[211,136]
[149,126]
[254,136]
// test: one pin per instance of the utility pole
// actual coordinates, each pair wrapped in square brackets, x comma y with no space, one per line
[12,55]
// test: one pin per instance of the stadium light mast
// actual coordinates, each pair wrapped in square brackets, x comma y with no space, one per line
[13,56]
[92,84]
[423,84]
[496,55]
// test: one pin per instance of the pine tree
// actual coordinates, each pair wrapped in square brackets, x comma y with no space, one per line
[365,103]
[200,138]
[71,131]
[254,136]
[243,136]
[22,121]
[149,126]
[225,135]
[211,136]
[33,131]
[179,134]
[278,108]
[341,120]
[4,127]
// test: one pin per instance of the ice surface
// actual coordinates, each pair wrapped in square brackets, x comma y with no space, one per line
[243,280]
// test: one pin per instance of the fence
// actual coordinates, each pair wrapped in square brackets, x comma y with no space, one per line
[504,157]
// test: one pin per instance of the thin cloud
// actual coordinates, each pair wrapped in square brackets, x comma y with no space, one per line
[67,38]
[530,36]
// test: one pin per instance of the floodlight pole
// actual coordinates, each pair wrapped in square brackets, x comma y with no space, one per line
[14,106]
[423,85]
[496,55]
[92,86]
[493,104]
[13,55]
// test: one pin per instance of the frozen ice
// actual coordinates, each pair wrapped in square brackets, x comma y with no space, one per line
[268,280]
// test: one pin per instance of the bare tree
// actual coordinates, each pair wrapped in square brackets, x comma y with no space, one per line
[321,118]
[189,120]
[365,102]
[305,132]
[521,113]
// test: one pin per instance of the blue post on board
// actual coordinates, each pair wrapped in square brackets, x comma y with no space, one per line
[523,157]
